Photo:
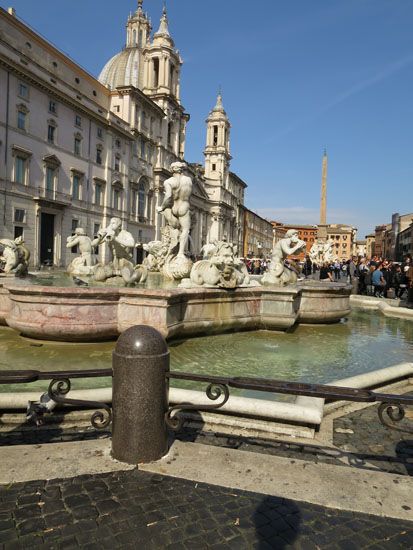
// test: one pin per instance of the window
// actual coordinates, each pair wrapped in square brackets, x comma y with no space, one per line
[18,231]
[78,145]
[76,182]
[116,198]
[171,76]
[214,167]
[99,133]
[215,135]
[50,178]
[99,155]
[19,215]
[21,119]
[133,201]
[116,108]
[155,72]
[169,133]
[143,119]
[20,169]
[23,90]
[141,200]
[117,164]
[98,194]
[140,39]
[51,130]
[78,121]
[96,229]
[143,148]
[118,143]
[52,106]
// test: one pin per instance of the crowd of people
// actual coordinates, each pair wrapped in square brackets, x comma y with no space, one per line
[376,276]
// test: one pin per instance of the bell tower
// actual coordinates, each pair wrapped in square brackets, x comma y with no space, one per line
[217,155]
[138,29]
[163,63]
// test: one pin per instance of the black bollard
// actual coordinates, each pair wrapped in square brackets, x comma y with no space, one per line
[140,396]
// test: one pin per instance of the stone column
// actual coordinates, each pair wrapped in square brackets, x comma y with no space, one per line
[140,396]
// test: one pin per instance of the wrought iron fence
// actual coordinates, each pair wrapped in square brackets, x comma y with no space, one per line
[59,386]
[391,410]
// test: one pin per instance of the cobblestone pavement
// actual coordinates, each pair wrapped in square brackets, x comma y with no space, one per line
[361,434]
[139,510]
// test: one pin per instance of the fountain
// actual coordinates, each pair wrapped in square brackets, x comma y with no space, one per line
[214,295]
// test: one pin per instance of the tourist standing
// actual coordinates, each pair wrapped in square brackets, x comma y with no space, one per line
[378,281]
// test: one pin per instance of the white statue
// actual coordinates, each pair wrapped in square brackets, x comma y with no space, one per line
[83,264]
[279,273]
[15,257]
[220,268]
[121,243]
[176,211]
[322,251]
[156,254]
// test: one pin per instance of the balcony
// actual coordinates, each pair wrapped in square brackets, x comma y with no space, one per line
[43,194]
[133,217]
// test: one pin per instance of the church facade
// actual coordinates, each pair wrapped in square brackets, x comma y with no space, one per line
[77,151]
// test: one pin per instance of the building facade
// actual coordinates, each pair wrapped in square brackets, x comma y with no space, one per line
[344,238]
[258,236]
[79,150]
[370,240]
[405,243]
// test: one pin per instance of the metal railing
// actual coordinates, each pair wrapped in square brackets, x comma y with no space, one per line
[60,385]
[390,411]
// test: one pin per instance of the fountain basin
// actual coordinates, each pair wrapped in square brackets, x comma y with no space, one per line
[323,302]
[99,313]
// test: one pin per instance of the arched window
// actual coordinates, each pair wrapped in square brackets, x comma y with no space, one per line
[134,38]
[141,200]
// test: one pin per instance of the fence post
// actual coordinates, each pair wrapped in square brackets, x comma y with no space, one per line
[140,395]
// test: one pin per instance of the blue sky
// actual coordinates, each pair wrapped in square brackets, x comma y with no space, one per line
[296,77]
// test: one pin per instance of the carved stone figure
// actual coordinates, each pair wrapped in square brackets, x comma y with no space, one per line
[157,251]
[15,256]
[121,243]
[279,273]
[139,274]
[322,251]
[220,268]
[176,211]
[83,264]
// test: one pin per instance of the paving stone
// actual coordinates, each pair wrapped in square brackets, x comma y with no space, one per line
[134,509]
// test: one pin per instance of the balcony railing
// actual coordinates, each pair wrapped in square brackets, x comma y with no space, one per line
[52,195]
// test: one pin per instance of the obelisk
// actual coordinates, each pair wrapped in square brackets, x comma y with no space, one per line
[322,227]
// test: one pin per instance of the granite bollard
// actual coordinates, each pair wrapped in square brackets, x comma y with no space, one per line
[140,395]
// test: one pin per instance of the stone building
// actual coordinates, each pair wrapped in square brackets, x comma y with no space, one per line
[79,150]
[370,239]
[258,236]
[344,238]
[381,239]
[405,243]
[390,239]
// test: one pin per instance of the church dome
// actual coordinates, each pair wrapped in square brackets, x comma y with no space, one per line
[122,69]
